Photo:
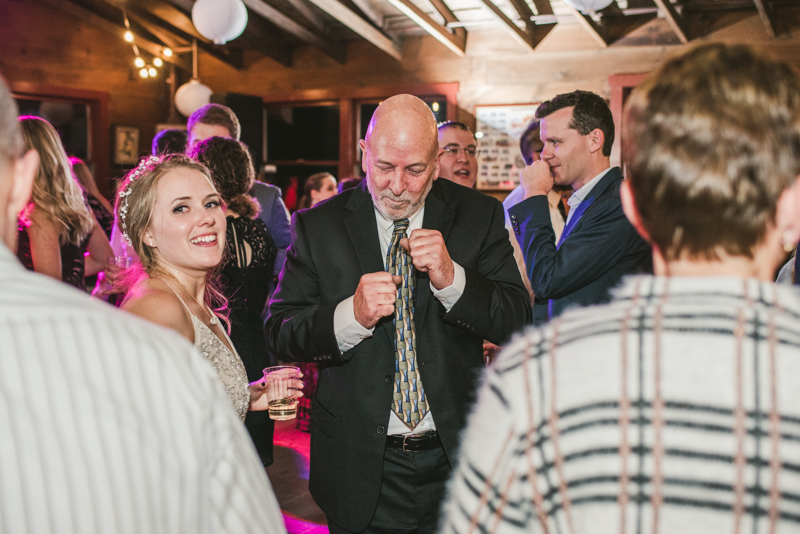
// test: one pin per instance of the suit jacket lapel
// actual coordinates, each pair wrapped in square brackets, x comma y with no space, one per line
[438,216]
[605,182]
[363,231]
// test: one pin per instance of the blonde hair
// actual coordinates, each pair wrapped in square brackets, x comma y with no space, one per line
[57,196]
[135,202]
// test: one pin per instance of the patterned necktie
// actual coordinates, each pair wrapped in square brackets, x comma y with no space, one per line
[408,398]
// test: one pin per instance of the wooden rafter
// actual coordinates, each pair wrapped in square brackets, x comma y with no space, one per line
[456,44]
[590,26]
[333,50]
[178,23]
[83,14]
[766,19]
[675,20]
[363,28]
[529,36]
[448,16]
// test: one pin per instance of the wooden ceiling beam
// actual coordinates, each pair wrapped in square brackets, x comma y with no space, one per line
[543,7]
[456,44]
[333,50]
[766,19]
[363,28]
[590,26]
[177,25]
[675,20]
[448,16]
[519,35]
[84,14]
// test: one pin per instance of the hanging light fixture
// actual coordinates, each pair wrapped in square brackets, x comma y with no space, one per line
[193,95]
[145,70]
[219,20]
[588,6]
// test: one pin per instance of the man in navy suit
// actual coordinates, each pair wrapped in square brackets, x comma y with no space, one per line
[598,245]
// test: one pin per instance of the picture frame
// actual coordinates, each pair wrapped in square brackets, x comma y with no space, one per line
[498,130]
[126,145]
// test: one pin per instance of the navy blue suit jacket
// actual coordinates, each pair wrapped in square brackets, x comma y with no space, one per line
[597,251]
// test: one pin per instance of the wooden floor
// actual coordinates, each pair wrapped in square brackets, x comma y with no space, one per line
[289,477]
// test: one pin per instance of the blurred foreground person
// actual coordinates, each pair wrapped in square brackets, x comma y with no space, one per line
[110,424]
[675,407]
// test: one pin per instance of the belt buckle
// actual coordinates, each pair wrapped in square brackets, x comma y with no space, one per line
[404,444]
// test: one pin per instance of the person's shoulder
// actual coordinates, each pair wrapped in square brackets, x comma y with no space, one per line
[260,189]
[160,306]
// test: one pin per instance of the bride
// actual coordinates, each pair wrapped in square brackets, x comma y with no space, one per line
[170,213]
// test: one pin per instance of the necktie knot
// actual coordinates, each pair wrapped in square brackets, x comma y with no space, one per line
[401,226]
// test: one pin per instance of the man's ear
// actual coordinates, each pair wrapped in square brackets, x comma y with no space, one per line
[630,209]
[23,172]
[787,213]
[438,166]
[363,145]
[596,140]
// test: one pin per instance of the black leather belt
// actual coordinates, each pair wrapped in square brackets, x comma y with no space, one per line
[420,442]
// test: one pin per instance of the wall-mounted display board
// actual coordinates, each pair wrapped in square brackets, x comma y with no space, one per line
[498,129]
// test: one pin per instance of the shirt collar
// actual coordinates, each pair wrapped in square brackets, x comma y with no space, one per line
[387,225]
[584,191]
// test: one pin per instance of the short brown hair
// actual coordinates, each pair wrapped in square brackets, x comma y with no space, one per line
[216,115]
[589,112]
[231,171]
[712,140]
[11,142]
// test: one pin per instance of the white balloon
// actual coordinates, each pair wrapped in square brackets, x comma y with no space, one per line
[192,96]
[587,6]
[219,20]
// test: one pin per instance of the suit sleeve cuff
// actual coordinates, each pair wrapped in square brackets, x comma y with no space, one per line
[450,295]
[348,331]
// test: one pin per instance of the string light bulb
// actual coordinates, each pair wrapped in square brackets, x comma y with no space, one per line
[168,52]
[143,73]
[152,72]
[139,62]
[128,36]
[157,62]
[435,107]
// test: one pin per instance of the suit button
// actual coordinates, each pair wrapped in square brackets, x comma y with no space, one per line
[389,379]
[380,430]
[421,364]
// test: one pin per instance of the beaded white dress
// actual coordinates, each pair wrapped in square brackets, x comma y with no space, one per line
[228,365]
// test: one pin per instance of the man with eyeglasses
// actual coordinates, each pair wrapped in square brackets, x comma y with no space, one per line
[459,162]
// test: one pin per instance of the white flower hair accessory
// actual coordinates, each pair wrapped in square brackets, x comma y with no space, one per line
[123,195]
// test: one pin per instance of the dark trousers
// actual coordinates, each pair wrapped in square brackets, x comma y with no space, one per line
[261,429]
[412,491]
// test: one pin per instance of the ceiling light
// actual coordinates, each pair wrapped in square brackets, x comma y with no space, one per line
[143,73]
[128,36]
[139,62]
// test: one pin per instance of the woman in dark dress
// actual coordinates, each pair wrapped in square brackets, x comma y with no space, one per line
[246,267]
[58,235]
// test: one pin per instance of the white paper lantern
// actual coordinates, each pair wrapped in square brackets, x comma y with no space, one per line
[219,20]
[192,96]
[587,6]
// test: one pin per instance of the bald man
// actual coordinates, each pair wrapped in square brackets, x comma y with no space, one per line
[386,422]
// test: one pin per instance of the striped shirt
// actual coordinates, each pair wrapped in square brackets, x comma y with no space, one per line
[109,424]
[675,408]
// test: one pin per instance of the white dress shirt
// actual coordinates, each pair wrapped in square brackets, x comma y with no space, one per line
[350,332]
[578,196]
[113,424]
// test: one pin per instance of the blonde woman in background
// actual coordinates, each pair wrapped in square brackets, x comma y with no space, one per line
[101,207]
[58,235]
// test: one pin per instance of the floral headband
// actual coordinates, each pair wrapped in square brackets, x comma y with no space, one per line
[123,195]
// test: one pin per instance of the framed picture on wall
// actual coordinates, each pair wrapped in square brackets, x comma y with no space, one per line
[498,129]
[126,145]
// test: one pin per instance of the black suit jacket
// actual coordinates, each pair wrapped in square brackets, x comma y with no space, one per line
[598,251]
[334,244]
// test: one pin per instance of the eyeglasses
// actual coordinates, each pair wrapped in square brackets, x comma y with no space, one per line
[470,151]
